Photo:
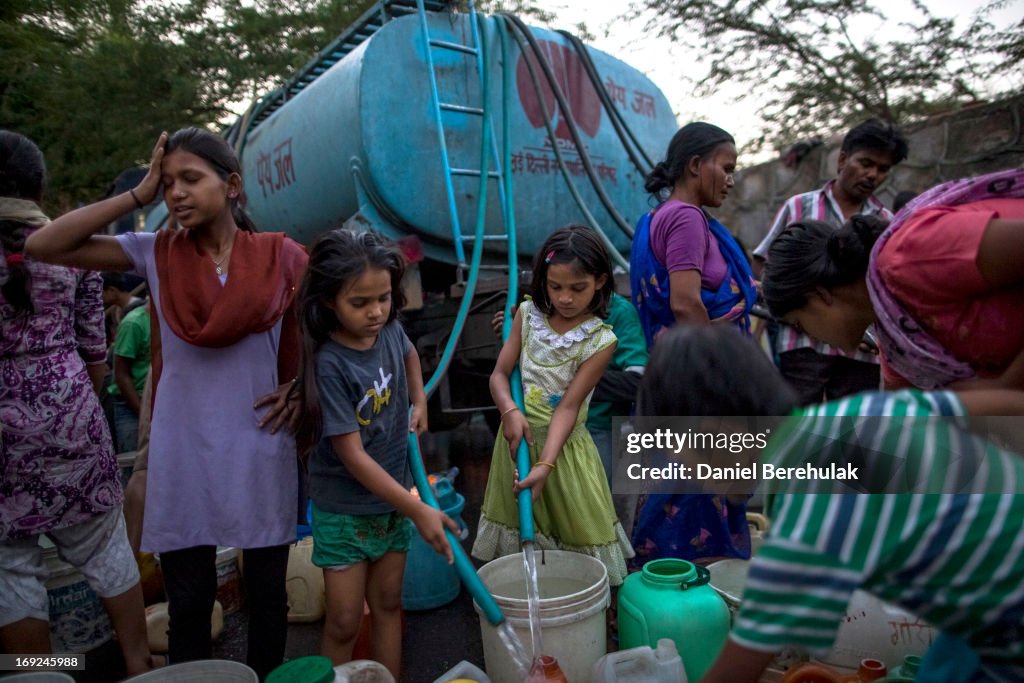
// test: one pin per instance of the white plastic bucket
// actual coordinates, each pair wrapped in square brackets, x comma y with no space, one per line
[574,596]
[872,629]
[728,577]
[202,671]
[78,622]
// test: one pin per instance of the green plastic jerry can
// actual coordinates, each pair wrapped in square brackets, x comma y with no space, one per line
[671,598]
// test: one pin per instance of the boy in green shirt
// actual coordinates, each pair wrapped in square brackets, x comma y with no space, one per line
[131,363]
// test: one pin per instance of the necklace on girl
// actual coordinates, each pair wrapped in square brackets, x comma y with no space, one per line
[217,264]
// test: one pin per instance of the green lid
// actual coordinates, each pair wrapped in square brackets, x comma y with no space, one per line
[303,670]
[675,573]
[910,667]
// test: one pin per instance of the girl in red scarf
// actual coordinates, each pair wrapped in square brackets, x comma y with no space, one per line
[228,342]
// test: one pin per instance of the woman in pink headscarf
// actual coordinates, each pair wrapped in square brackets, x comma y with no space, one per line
[942,284]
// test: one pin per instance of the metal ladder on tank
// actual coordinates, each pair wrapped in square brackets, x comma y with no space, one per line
[450,173]
[488,156]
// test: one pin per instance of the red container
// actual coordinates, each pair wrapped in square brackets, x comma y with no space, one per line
[869,670]
[363,648]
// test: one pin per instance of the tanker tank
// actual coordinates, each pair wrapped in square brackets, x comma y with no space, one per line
[359,144]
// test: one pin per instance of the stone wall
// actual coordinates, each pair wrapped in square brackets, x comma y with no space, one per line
[963,143]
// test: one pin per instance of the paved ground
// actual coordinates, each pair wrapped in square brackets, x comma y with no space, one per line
[435,640]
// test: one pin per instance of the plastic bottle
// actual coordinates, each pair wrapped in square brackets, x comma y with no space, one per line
[448,474]
[545,668]
[150,577]
[462,672]
[304,584]
[229,580]
[641,665]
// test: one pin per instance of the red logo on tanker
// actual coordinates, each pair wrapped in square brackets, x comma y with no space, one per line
[572,79]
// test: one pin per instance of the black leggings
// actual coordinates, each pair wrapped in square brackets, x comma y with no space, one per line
[190,578]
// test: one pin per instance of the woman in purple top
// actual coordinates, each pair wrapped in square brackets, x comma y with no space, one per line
[58,473]
[684,265]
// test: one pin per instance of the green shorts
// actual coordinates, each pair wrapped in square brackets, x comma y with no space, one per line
[341,541]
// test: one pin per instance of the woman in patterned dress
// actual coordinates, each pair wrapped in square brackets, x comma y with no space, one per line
[58,473]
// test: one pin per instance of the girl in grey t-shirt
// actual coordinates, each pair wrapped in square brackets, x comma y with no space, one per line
[359,375]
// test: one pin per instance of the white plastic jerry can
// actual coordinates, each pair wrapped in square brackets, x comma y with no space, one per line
[304,584]
[641,665]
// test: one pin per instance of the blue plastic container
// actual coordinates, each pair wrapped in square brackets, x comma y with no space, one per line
[304,530]
[429,580]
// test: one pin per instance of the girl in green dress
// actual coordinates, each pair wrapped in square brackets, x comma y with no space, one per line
[562,348]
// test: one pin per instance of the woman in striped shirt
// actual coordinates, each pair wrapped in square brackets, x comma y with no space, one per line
[955,560]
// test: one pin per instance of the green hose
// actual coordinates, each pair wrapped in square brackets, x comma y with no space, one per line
[515,381]
[463,565]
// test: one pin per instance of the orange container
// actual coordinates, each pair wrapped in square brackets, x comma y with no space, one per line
[869,670]
[545,668]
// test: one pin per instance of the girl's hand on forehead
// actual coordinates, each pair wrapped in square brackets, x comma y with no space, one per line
[148,189]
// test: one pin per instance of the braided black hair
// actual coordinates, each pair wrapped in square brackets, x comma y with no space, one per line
[811,254]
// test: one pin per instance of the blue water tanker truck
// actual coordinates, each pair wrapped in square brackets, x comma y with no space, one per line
[453,133]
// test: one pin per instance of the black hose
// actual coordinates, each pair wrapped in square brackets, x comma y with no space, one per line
[588,216]
[570,124]
[622,129]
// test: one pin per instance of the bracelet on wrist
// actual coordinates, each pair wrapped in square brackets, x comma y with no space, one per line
[138,203]
[542,463]
[509,411]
